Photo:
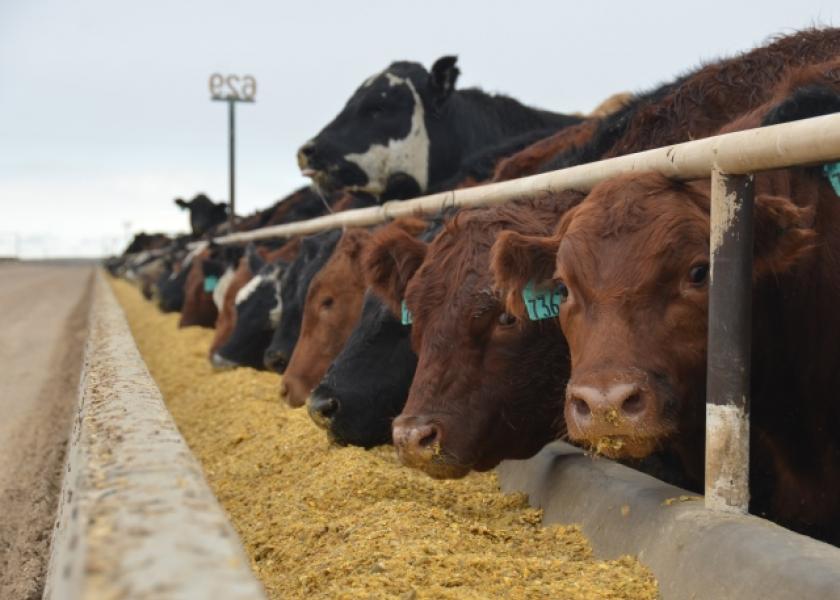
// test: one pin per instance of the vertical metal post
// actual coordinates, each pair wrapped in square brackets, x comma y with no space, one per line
[232,160]
[730,316]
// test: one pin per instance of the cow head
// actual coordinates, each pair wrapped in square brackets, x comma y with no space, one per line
[366,385]
[332,306]
[314,252]
[382,137]
[632,266]
[479,394]
[204,213]
[257,306]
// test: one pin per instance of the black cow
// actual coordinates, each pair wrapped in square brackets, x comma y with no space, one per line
[314,252]
[204,213]
[406,129]
[367,384]
[257,316]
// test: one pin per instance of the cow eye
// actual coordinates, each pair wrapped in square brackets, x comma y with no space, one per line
[327,302]
[506,319]
[698,274]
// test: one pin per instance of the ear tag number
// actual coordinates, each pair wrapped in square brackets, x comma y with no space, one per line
[405,314]
[832,172]
[210,283]
[542,302]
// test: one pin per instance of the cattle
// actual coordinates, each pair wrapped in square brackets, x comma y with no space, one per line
[204,213]
[172,282]
[478,394]
[332,305]
[630,266]
[147,241]
[407,128]
[332,308]
[250,312]
[315,250]
[199,308]
[367,384]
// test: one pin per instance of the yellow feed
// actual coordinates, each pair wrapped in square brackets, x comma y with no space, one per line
[325,522]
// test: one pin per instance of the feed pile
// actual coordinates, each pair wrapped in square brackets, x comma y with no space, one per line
[330,522]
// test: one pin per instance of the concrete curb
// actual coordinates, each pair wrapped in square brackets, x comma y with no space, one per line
[136,519]
[694,553]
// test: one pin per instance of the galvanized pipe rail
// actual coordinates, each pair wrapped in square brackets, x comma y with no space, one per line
[730,160]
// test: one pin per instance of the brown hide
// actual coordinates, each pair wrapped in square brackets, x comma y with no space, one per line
[479,395]
[333,305]
[199,308]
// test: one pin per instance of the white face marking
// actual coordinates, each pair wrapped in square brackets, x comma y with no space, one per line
[275,313]
[221,288]
[249,288]
[409,155]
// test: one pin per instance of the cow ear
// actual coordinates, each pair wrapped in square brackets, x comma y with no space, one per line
[516,259]
[783,234]
[180,202]
[389,262]
[442,79]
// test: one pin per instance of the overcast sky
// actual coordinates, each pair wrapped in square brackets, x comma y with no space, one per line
[105,114]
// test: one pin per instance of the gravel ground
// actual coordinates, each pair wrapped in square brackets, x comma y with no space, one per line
[43,315]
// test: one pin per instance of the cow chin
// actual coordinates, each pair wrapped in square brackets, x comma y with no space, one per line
[439,466]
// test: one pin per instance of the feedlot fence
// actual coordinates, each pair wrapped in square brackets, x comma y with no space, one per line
[730,160]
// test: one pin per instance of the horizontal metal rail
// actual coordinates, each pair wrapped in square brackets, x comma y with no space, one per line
[813,140]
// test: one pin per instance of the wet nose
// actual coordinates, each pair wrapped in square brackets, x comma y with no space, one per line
[417,441]
[617,404]
[275,360]
[322,409]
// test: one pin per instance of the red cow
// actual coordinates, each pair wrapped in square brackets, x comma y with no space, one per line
[333,305]
[631,264]
[479,394]
[199,308]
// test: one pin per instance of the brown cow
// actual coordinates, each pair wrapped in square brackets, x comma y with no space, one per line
[199,308]
[479,395]
[333,305]
[632,265]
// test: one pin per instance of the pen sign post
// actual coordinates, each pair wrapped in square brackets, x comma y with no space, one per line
[232,89]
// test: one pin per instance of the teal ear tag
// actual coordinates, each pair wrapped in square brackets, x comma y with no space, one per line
[832,172]
[405,314]
[541,302]
[210,283]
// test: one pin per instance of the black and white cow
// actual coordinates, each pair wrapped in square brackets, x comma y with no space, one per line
[406,129]
[204,213]
[258,309]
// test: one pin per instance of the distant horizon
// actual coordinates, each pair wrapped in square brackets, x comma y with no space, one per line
[109,117]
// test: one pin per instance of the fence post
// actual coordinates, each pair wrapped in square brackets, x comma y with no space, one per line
[232,160]
[730,317]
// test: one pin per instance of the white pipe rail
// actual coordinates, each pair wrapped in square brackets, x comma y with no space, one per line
[808,141]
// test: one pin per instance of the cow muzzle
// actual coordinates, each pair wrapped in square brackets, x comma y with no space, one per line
[322,409]
[419,444]
[617,416]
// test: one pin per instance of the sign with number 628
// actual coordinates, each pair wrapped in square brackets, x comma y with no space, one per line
[233,87]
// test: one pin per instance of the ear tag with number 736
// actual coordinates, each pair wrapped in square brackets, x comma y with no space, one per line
[405,314]
[542,302]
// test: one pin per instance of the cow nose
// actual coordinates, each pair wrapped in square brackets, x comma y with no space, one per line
[417,441]
[616,404]
[322,409]
[275,360]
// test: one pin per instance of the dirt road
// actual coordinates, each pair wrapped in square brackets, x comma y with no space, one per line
[43,314]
